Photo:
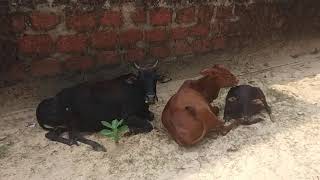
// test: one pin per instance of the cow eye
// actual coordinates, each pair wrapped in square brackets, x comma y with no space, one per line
[232,99]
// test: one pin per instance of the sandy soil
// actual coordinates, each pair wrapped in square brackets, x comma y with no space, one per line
[289,148]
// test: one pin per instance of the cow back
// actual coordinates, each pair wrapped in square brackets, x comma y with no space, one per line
[92,103]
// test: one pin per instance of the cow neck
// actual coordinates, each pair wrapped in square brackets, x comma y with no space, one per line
[207,87]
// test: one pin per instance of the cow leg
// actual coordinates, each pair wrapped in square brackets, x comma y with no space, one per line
[214,109]
[72,126]
[73,137]
[147,113]
[151,116]
[138,125]
[143,113]
[251,121]
[54,135]
[95,146]
[225,129]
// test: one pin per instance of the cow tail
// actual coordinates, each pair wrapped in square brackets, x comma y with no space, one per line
[192,111]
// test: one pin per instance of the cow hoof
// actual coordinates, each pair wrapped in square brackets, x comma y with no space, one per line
[73,142]
[250,122]
[127,134]
[227,119]
[147,129]
[99,148]
[51,136]
[135,131]
[215,110]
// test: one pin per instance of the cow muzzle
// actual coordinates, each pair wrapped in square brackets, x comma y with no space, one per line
[150,99]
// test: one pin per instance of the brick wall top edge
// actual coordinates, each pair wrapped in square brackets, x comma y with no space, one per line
[32,5]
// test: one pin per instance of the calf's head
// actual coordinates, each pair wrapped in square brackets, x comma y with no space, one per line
[221,76]
[148,77]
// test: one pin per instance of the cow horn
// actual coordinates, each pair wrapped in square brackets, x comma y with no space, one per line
[137,66]
[155,64]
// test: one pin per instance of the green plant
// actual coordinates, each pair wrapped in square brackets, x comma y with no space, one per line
[114,130]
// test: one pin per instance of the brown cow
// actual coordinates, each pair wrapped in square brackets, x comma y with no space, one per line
[188,116]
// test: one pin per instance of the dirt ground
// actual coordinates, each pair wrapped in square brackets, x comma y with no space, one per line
[289,148]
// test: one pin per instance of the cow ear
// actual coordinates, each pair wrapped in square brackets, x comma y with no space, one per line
[205,72]
[219,66]
[163,79]
[209,72]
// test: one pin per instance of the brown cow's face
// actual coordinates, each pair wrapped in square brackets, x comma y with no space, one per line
[222,76]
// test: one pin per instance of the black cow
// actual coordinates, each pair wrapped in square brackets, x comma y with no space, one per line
[244,101]
[81,108]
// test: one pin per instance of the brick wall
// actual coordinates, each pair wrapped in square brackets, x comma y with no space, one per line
[7,42]
[58,36]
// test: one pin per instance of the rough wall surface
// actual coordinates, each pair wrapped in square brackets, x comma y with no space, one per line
[58,36]
[7,42]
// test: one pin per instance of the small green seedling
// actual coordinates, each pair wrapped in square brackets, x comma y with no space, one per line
[114,130]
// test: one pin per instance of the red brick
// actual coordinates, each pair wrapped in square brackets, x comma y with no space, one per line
[135,55]
[44,20]
[224,12]
[199,30]
[156,35]
[218,43]
[130,36]
[160,16]
[160,52]
[240,10]
[17,72]
[204,14]
[181,47]
[280,23]
[36,44]
[104,40]
[18,23]
[185,15]
[111,18]
[234,42]
[82,23]
[220,27]
[92,2]
[139,16]
[179,33]
[78,63]
[233,28]
[72,43]
[108,57]
[45,68]
[201,46]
